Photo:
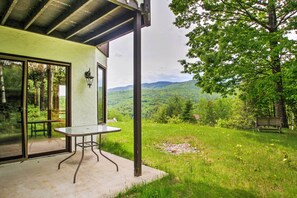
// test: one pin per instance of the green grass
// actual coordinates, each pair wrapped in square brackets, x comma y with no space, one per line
[231,163]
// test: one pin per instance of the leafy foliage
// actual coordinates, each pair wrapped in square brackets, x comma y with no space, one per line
[240,116]
[212,110]
[241,45]
[171,110]
[154,96]
[114,113]
[230,112]
[187,114]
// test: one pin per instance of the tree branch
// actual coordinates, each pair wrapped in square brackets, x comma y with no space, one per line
[285,17]
[249,15]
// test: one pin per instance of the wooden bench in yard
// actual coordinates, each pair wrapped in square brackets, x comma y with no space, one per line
[269,124]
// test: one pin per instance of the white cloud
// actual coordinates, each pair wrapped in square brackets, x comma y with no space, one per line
[163,44]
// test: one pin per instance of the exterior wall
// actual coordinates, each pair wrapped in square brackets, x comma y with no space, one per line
[81,57]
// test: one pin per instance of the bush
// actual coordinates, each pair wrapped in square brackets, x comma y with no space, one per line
[161,115]
[174,120]
[212,110]
[113,113]
[235,123]
[172,111]
[240,118]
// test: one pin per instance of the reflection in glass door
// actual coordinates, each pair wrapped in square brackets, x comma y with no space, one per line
[46,104]
[11,105]
[101,95]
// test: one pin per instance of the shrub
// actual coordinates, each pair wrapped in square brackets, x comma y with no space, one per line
[235,123]
[161,115]
[114,113]
[241,117]
[174,120]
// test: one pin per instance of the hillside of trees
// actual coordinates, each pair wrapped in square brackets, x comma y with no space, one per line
[154,95]
[168,102]
[176,102]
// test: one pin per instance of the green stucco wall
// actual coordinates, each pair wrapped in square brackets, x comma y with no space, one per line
[81,57]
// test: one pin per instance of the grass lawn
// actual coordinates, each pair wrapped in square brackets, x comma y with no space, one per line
[230,163]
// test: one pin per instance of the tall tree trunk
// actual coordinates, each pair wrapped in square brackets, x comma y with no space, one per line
[293,121]
[35,93]
[3,99]
[56,97]
[280,106]
[42,91]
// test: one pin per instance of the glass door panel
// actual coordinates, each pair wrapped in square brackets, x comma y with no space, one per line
[46,104]
[101,78]
[11,105]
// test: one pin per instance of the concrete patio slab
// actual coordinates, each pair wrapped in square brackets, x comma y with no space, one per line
[40,177]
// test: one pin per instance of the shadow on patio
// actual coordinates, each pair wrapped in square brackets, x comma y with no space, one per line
[40,177]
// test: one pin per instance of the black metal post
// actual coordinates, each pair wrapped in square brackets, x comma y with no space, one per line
[137,95]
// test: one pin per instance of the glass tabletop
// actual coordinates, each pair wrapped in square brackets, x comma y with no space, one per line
[87,130]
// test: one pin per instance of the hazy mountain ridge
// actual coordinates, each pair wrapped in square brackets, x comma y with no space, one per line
[154,95]
[159,84]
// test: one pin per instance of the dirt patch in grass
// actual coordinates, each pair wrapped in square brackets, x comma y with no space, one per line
[177,149]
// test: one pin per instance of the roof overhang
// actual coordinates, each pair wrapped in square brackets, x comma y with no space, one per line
[92,22]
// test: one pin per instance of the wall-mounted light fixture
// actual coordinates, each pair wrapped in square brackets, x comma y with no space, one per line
[89,78]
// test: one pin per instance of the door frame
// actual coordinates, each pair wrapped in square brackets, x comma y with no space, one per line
[23,156]
[104,102]
[25,60]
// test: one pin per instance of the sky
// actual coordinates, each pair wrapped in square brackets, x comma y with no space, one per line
[163,44]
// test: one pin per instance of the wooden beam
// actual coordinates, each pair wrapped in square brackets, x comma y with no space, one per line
[137,96]
[91,20]
[147,12]
[9,9]
[116,33]
[122,20]
[104,48]
[36,12]
[130,5]
[79,5]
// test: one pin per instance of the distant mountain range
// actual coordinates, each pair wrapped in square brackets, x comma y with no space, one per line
[154,95]
[153,85]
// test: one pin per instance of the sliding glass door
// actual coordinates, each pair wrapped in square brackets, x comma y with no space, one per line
[34,100]
[46,103]
[101,94]
[11,109]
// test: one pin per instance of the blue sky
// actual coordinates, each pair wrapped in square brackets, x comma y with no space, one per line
[163,44]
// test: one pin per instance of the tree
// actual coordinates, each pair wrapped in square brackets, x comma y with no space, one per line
[161,114]
[174,106]
[207,110]
[237,44]
[173,109]
[2,87]
[36,73]
[187,114]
